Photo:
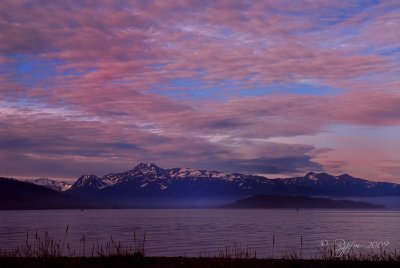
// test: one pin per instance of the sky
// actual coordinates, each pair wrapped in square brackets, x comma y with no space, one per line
[278,88]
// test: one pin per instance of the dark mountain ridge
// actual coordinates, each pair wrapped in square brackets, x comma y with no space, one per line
[149,180]
[148,185]
[24,195]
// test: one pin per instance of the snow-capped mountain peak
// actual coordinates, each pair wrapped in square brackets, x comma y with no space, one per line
[148,176]
[91,181]
[56,185]
[147,168]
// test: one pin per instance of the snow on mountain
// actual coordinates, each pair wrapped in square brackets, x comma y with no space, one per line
[59,186]
[89,181]
[181,173]
[147,179]
[312,176]
[148,175]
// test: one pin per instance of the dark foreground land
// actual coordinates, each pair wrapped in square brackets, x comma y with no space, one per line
[45,251]
[154,262]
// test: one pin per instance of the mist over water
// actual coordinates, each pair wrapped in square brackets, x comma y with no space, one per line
[390,202]
[191,232]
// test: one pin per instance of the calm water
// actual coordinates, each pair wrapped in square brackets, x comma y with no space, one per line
[187,232]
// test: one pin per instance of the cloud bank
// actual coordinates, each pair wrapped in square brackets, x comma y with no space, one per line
[265,88]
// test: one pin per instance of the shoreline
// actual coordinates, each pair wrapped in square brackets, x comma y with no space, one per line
[152,262]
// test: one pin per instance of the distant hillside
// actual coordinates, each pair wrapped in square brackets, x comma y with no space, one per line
[23,195]
[284,201]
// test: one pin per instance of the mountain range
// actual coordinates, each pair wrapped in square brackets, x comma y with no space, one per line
[148,185]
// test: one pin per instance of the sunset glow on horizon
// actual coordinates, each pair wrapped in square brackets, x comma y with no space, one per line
[278,88]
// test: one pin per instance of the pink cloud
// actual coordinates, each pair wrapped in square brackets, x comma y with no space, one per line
[110,59]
